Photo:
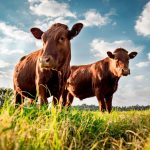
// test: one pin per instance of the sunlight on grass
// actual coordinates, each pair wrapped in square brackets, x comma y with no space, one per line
[33,128]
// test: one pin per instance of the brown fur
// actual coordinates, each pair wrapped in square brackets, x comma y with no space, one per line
[99,79]
[31,79]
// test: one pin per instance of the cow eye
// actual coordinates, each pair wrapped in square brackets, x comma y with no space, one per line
[61,39]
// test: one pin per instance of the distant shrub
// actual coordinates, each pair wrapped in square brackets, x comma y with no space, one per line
[115,108]
[5,94]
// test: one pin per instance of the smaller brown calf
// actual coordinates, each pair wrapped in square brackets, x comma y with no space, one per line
[99,79]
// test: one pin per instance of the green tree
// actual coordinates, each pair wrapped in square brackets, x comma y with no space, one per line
[5,94]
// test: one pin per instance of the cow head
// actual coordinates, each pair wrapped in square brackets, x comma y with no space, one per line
[56,44]
[120,61]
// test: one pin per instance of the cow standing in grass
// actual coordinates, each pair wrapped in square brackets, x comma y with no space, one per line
[99,79]
[44,72]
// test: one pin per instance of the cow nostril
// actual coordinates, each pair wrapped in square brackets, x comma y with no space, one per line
[47,60]
[125,71]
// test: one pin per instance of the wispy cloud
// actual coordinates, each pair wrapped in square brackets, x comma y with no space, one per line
[138,94]
[94,18]
[6,74]
[14,40]
[14,43]
[143,64]
[142,26]
[10,52]
[47,22]
[50,8]
[14,32]
[6,78]
[139,77]
[148,55]
[100,47]
[4,64]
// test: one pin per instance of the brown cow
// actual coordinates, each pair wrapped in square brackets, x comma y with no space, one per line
[44,72]
[99,79]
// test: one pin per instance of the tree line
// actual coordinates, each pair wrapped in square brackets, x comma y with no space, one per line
[115,108]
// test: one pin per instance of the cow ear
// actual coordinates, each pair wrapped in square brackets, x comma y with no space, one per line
[75,30]
[37,33]
[110,54]
[132,55]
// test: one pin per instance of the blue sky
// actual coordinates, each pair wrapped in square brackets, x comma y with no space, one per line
[108,24]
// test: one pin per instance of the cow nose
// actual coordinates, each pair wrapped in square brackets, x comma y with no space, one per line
[125,72]
[46,62]
[45,59]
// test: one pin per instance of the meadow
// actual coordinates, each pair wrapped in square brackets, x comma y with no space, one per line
[50,129]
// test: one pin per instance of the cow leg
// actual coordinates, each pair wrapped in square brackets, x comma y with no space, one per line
[69,99]
[55,100]
[101,100]
[109,104]
[64,97]
[58,98]
[42,98]
[18,99]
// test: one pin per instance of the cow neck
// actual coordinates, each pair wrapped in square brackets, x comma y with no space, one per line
[110,70]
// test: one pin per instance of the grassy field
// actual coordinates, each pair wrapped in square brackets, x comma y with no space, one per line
[32,128]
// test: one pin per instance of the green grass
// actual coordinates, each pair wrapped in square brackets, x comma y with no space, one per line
[32,128]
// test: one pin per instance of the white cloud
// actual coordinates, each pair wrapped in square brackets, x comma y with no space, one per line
[6,78]
[139,77]
[142,26]
[143,64]
[129,93]
[10,52]
[4,64]
[94,18]
[50,8]
[46,23]
[14,40]
[60,20]
[100,47]
[14,32]
[148,55]
[6,74]
[14,43]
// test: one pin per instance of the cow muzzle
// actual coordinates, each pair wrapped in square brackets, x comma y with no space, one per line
[47,62]
[125,72]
